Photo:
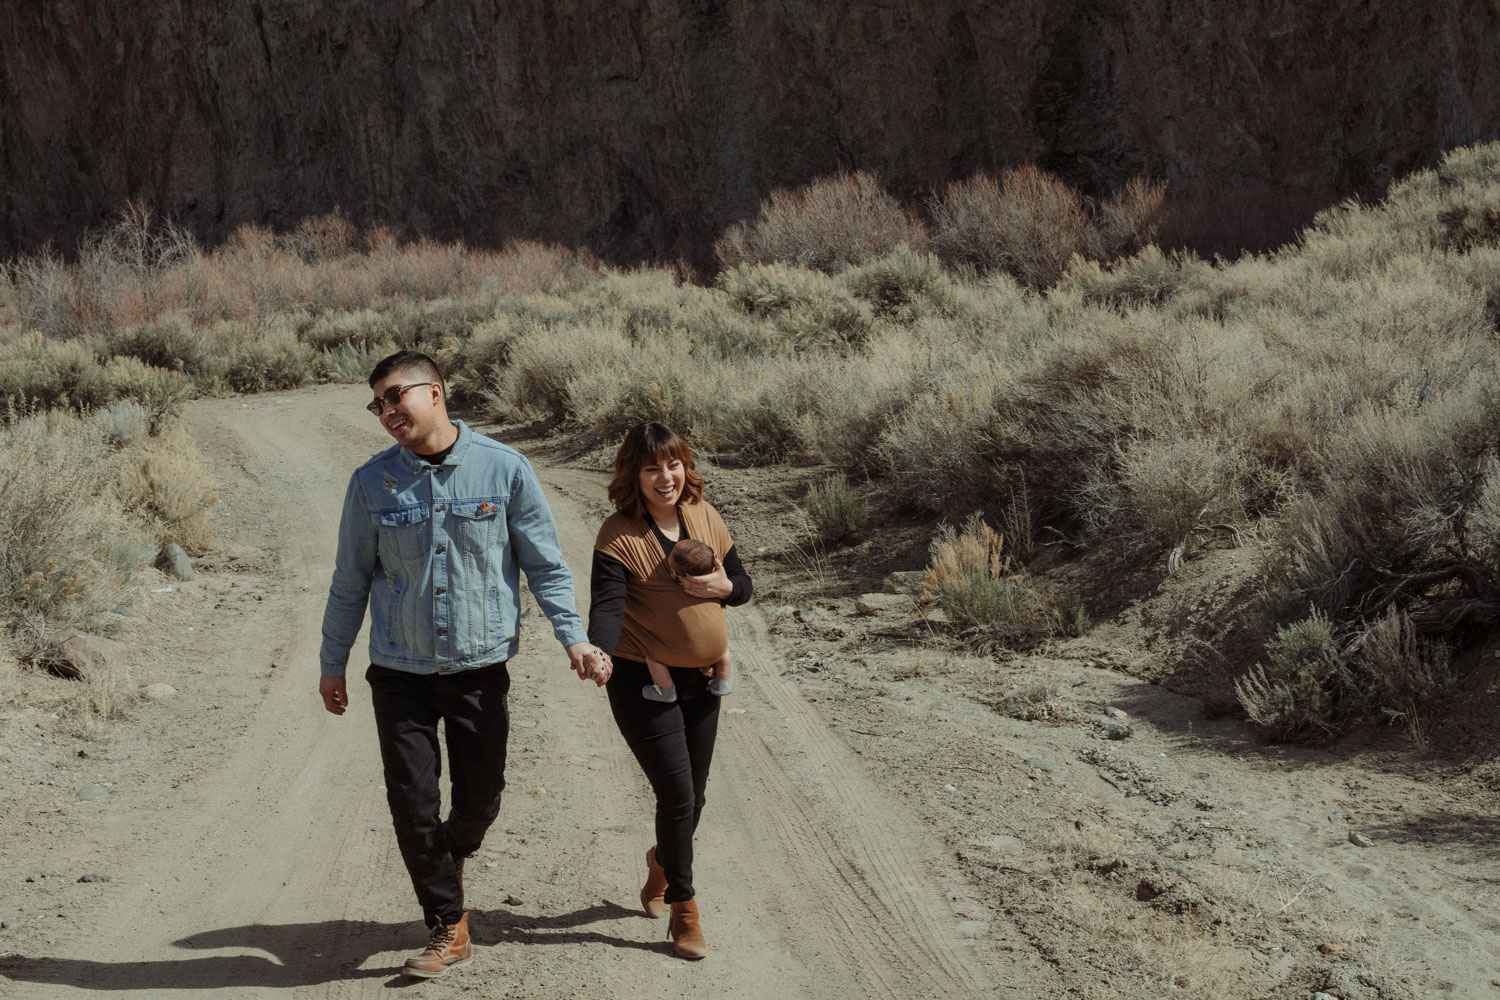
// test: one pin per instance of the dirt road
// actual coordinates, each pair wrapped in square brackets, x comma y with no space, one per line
[247,842]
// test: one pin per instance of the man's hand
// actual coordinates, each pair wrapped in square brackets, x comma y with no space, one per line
[590,662]
[335,694]
[709,585]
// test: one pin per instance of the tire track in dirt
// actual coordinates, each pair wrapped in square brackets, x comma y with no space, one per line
[845,840]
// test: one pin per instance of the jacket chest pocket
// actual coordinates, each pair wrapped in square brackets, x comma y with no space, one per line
[407,530]
[476,524]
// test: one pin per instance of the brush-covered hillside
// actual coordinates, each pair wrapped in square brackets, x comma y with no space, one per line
[1032,372]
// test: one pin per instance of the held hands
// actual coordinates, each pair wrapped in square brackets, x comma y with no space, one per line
[709,585]
[335,694]
[590,662]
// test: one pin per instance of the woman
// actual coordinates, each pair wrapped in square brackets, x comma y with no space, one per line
[638,611]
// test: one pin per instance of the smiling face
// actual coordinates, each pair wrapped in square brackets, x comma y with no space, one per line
[653,474]
[661,480]
[420,421]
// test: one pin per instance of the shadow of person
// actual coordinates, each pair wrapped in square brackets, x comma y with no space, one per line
[497,926]
[309,954]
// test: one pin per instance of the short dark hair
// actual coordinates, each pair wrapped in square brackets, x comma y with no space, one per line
[644,444]
[412,361]
[692,557]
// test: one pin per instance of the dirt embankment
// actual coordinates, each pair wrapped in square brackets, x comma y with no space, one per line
[882,822]
[644,129]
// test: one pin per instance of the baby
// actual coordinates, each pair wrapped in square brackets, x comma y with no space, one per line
[689,557]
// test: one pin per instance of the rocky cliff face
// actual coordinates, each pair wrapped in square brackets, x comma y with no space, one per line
[644,127]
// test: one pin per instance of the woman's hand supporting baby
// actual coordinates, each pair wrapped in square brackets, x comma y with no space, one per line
[709,585]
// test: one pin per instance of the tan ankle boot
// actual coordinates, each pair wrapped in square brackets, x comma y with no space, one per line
[686,934]
[653,894]
[448,946]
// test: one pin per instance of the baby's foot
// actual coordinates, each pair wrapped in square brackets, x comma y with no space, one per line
[654,693]
[720,687]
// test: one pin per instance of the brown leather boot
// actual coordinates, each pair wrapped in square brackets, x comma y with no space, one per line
[686,934]
[448,946]
[653,894]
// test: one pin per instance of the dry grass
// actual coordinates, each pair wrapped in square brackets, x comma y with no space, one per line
[835,510]
[163,483]
[65,549]
[1337,392]
[261,311]
[972,579]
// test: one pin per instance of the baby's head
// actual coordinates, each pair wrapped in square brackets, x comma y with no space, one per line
[691,557]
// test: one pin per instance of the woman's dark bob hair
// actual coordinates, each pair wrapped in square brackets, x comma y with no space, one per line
[646,444]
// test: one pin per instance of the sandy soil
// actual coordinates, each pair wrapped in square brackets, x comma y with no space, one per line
[880,823]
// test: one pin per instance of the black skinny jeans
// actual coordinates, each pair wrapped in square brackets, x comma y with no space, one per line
[674,744]
[476,716]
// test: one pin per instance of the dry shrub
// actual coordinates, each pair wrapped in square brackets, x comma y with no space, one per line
[1129,219]
[836,512]
[970,577]
[163,483]
[1398,673]
[1148,279]
[39,373]
[170,342]
[1164,489]
[902,286]
[64,549]
[935,448]
[116,280]
[543,364]
[1297,694]
[850,404]
[830,224]
[60,300]
[323,237]
[1028,224]
[1405,517]
[143,269]
[159,393]
[276,361]
[809,308]
[123,423]
[363,329]
[528,266]
[1468,224]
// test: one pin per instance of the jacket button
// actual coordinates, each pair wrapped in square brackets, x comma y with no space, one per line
[442,631]
[439,591]
[437,507]
[441,548]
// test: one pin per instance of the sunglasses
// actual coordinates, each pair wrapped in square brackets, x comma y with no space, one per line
[391,397]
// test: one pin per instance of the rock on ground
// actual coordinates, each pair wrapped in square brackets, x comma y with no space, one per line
[174,562]
[905,581]
[85,656]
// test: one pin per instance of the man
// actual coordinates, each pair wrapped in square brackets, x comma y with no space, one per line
[432,537]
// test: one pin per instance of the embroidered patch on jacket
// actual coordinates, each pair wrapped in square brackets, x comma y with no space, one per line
[486,507]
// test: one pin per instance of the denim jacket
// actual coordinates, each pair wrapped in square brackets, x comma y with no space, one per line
[435,552]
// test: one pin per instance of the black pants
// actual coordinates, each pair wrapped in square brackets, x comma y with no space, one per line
[674,744]
[476,718]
